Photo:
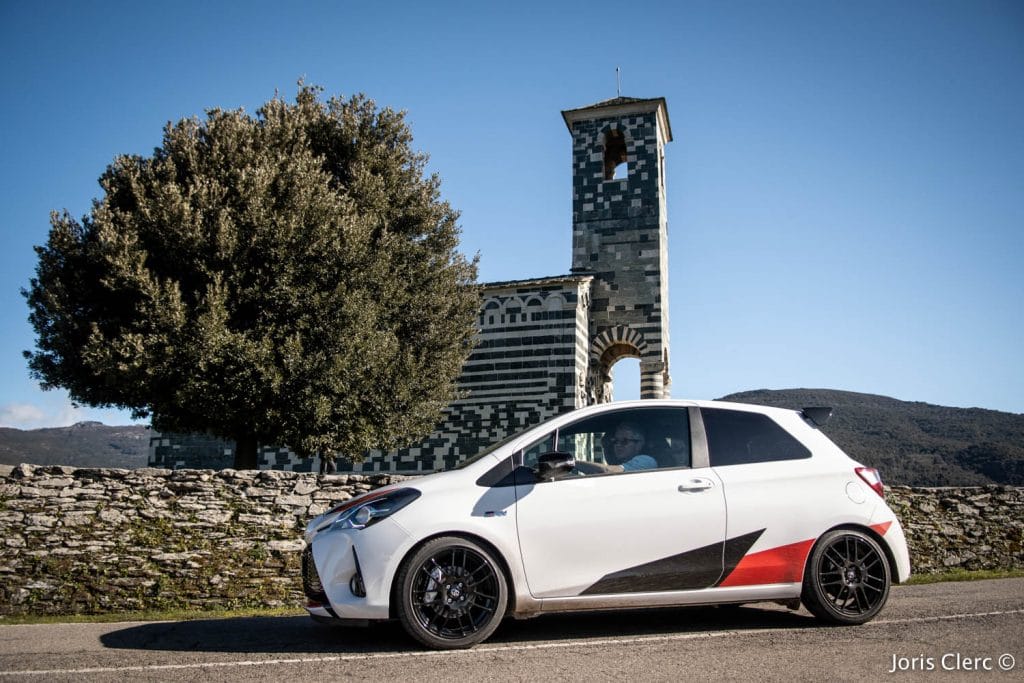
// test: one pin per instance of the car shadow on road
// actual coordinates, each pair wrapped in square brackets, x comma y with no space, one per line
[667,621]
[279,635]
[300,634]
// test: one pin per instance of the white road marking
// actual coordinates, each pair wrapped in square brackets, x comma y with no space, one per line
[599,642]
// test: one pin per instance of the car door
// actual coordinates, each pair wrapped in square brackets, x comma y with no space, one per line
[659,529]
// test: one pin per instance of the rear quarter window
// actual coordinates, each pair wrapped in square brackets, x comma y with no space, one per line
[737,437]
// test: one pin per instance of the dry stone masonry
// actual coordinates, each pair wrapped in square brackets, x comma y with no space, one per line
[103,540]
[962,528]
[546,345]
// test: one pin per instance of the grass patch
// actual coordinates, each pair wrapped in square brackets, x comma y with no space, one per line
[152,615]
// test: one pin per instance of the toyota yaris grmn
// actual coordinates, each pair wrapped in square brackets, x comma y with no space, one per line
[634,504]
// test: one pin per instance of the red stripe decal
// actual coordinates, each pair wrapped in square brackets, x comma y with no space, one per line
[784,564]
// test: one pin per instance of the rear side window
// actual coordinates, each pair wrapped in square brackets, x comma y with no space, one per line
[739,438]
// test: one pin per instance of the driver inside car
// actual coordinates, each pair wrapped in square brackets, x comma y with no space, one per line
[626,453]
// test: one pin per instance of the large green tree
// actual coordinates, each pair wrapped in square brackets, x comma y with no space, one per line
[289,278]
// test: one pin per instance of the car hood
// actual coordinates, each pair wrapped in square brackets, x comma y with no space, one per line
[425,484]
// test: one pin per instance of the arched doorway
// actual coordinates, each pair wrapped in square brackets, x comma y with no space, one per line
[610,347]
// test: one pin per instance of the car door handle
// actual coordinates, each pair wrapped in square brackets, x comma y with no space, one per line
[696,486]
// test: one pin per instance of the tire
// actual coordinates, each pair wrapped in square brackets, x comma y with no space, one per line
[847,579]
[452,593]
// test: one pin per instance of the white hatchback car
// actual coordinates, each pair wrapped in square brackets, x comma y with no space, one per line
[632,504]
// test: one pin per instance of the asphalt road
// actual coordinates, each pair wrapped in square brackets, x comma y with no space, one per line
[943,632]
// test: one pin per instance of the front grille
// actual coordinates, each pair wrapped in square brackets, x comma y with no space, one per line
[311,584]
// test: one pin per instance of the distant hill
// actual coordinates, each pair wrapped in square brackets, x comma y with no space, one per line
[916,444]
[85,444]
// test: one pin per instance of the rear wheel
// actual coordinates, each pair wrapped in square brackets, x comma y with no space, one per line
[453,593]
[847,579]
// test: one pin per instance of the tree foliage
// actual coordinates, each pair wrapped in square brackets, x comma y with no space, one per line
[290,278]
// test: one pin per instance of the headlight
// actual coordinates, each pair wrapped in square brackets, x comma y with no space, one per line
[370,512]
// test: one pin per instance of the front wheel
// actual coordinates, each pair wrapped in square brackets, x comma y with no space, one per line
[847,579]
[452,593]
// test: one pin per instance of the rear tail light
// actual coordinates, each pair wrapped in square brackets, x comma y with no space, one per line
[872,478]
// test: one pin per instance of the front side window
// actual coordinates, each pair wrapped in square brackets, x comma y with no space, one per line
[621,441]
[545,444]
[737,437]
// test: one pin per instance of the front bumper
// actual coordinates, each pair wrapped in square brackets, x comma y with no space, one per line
[347,573]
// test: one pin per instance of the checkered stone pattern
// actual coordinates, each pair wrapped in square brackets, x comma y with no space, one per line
[276,458]
[530,363]
[196,451]
[189,451]
[620,235]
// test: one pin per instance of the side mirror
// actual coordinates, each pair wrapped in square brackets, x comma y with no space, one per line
[554,464]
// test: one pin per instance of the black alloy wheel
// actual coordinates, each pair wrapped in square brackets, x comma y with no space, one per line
[453,593]
[847,579]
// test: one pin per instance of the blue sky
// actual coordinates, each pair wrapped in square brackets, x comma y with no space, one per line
[845,187]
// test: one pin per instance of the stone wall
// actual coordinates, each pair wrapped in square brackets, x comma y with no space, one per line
[105,540]
[961,528]
[102,540]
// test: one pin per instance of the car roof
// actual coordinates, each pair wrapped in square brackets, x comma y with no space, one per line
[680,403]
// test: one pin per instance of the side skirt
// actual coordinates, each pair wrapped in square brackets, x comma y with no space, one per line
[706,596]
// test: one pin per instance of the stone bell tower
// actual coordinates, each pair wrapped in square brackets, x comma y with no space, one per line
[619,235]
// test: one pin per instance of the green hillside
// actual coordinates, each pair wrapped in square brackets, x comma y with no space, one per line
[917,444]
[86,444]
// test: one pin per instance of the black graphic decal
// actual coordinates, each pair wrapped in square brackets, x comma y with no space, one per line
[735,549]
[694,569]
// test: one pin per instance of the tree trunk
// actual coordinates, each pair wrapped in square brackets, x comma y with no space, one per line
[246,450]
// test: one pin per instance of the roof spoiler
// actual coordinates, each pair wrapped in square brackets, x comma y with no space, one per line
[819,415]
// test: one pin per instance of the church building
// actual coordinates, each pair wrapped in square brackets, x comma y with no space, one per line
[546,344]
